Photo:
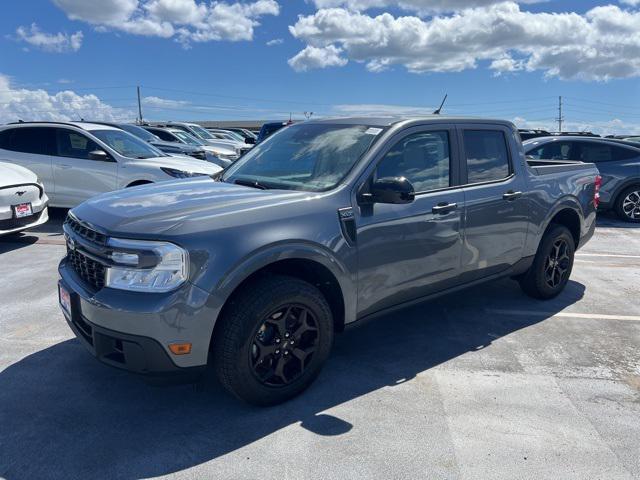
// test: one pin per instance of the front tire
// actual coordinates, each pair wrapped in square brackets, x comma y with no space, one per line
[549,274]
[627,205]
[273,340]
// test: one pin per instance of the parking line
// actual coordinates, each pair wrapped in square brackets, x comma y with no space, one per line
[609,255]
[590,316]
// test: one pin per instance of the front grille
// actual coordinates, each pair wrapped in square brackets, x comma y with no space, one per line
[12,223]
[85,232]
[202,155]
[89,270]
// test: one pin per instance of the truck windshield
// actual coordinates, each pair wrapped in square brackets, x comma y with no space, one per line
[309,157]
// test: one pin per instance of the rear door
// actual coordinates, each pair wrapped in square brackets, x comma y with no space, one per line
[496,217]
[32,148]
[618,165]
[78,177]
[411,250]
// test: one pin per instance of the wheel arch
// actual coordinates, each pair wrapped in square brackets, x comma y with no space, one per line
[311,263]
[569,216]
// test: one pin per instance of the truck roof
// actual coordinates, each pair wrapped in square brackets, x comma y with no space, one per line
[387,121]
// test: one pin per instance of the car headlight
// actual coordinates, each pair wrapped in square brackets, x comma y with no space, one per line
[146,266]
[181,173]
[232,157]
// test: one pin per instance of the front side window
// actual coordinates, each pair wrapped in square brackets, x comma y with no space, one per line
[310,157]
[422,158]
[487,155]
[74,145]
[126,144]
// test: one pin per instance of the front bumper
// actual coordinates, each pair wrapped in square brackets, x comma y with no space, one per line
[13,225]
[132,330]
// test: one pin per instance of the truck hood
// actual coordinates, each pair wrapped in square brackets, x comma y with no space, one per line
[177,207]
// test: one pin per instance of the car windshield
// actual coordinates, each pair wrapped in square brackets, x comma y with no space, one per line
[126,144]
[187,138]
[201,132]
[139,132]
[309,157]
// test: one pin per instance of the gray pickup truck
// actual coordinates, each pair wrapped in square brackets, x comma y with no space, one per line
[321,225]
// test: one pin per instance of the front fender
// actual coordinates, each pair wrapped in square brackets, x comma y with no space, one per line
[299,250]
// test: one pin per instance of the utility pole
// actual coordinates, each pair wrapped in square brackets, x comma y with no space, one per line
[560,117]
[139,107]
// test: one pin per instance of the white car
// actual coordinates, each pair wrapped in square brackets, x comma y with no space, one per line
[23,202]
[76,161]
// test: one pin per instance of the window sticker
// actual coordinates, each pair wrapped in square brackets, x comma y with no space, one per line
[373,131]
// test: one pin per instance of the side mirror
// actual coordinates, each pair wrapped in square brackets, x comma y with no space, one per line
[250,141]
[99,155]
[396,190]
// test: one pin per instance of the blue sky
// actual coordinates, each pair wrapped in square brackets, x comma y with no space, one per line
[217,64]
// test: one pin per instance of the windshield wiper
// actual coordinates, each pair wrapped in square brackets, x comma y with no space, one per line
[250,183]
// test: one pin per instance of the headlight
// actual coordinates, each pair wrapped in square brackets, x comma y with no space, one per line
[146,266]
[231,157]
[181,173]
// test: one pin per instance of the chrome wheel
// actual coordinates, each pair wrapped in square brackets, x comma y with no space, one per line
[631,205]
[557,263]
[284,345]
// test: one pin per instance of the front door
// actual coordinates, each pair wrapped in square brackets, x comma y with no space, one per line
[411,250]
[78,177]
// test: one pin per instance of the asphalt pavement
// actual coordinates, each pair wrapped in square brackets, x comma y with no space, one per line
[483,384]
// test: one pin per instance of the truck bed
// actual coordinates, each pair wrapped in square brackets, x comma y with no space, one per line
[545,167]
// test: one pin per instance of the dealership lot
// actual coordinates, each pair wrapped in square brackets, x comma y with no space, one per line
[482,384]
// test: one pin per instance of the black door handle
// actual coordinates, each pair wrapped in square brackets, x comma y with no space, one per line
[511,195]
[444,207]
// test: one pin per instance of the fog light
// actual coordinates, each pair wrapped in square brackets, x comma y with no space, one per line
[180,348]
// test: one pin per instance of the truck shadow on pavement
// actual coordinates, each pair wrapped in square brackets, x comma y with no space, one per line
[64,415]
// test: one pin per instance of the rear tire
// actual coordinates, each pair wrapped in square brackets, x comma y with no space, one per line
[549,274]
[272,340]
[627,205]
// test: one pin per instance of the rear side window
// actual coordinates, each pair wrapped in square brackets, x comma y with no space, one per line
[487,155]
[75,145]
[600,152]
[35,140]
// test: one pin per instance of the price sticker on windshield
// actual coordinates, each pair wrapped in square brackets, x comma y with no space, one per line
[373,131]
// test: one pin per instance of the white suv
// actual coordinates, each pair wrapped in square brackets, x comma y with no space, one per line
[76,161]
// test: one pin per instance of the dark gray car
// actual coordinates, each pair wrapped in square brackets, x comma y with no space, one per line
[323,224]
[618,162]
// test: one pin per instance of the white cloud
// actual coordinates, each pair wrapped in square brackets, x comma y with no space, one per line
[163,102]
[185,20]
[600,45]
[49,42]
[380,109]
[420,6]
[614,126]
[274,42]
[25,104]
[314,57]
